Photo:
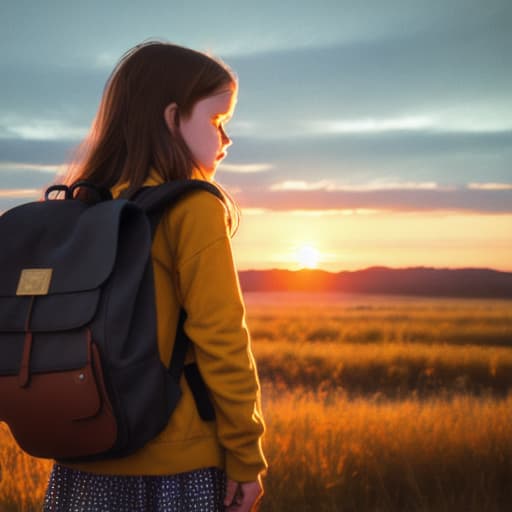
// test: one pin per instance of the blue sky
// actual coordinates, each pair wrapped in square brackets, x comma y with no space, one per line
[394,105]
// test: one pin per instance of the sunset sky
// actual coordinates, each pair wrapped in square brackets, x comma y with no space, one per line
[366,132]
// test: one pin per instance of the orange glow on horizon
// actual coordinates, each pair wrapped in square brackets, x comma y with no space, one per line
[272,239]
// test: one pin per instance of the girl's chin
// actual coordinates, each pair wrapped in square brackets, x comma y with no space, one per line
[207,174]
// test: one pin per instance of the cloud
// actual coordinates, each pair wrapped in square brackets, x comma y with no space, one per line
[459,119]
[416,91]
[490,186]
[413,200]
[419,157]
[37,152]
[375,185]
[246,168]
[241,128]
[22,166]
[250,28]
[335,212]
[376,68]
[28,175]
[302,185]
[454,121]
[314,213]
[40,129]
[21,193]
[440,73]
[16,180]
[368,125]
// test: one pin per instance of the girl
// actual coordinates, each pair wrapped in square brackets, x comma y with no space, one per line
[161,118]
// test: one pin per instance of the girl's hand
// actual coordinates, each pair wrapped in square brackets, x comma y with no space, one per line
[242,496]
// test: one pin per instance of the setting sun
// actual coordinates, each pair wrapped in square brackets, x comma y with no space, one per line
[307,256]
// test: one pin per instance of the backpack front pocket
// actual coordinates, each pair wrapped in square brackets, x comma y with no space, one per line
[60,413]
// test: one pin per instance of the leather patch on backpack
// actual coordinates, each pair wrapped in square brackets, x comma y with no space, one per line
[34,281]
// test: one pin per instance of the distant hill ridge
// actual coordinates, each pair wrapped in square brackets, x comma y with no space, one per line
[425,281]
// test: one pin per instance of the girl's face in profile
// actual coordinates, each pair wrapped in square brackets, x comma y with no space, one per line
[204,132]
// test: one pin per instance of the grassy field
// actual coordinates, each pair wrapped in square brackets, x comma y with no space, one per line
[362,319]
[328,453]
[22,478]
[393,370]
[372,403]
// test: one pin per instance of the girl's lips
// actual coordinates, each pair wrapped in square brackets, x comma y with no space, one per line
[221,155]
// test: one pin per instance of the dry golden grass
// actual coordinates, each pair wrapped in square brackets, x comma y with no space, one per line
[22,478]
[330,453]
[390,369]
[335,441]
[378,319]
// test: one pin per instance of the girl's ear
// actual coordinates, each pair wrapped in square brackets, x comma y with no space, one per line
[170,117]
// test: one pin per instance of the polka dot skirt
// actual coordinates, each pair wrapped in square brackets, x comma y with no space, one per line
[70,490]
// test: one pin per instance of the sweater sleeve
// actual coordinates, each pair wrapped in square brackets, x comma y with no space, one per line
[210,293]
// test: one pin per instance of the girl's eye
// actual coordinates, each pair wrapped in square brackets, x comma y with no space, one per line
[220,126]
[218,121]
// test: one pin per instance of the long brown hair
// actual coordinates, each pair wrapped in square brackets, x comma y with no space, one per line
[128,135]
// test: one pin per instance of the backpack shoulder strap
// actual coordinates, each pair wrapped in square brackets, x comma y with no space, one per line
[156,198]
[153,200]
[194,378]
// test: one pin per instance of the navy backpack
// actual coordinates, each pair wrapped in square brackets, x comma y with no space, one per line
[80,372]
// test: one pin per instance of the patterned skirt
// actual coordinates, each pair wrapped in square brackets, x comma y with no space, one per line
[70,490]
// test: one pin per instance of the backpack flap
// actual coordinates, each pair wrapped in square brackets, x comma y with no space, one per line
[55,251]
[56,255]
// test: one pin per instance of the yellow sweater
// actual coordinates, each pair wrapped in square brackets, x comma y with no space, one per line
[193,267]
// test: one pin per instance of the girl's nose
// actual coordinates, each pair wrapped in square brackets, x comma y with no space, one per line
[226,141]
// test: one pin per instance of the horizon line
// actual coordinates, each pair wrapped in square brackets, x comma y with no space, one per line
[372,267]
